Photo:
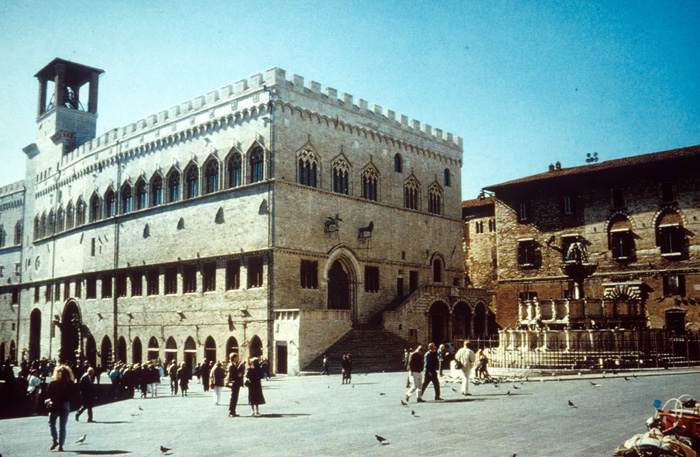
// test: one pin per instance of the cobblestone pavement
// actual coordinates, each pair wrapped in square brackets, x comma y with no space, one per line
[317,416]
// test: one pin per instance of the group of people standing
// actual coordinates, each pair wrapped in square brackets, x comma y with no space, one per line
[425,368]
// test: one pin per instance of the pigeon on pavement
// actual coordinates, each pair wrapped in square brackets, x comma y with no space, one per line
[82,440]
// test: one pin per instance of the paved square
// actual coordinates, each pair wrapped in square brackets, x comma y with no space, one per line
[317,416]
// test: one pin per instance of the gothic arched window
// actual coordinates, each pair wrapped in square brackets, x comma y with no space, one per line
[192,182]
[256,165]
[156,190]
[369,183]
[174,187]
[110,204]
[95,208]
[125,199]
[435,199]
[211,176]
[340,177]
[411,194]
[398,163]
[69,216]
[234,170]
[308,166]
[18,233]
[80,212]
[141,194]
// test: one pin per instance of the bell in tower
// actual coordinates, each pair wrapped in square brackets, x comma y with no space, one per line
[64,116]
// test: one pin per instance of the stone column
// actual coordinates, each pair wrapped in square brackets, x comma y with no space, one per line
[42,97]
[92,101]
[59,82]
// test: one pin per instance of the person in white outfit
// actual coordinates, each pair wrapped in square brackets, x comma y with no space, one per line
[466,357]
[415,373]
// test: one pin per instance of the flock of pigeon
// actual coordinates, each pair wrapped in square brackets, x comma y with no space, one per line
[496,382]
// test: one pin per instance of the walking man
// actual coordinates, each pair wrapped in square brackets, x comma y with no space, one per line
[87,394]
[217,376]
[466,357]
[204,371]
[432,365]
[236,370]
[172,372]
[415,373]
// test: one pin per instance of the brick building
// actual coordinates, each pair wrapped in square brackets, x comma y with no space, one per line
[269,217]
[607,245]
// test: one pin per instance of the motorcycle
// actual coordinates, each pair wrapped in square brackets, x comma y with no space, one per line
[674,431]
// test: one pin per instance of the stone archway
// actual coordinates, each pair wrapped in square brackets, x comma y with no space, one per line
[136,351]
[121,349]
[71,334]
[231,347]
[34,335]
[106,352]
[170,351]
[338,287]
[190,353]
[153,349]
[341,276]
[462,321]
[480,320]
[210,350]
[256,346]
[91,351]
[438,322]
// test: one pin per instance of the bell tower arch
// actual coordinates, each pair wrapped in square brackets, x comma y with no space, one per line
[64,116]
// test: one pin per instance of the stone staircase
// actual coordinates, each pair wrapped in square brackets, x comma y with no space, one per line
[373,350]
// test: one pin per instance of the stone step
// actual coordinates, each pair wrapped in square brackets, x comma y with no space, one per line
[373,350]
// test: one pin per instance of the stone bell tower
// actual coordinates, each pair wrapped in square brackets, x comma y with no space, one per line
[64,118]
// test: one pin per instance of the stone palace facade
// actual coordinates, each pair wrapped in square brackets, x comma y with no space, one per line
[267,218]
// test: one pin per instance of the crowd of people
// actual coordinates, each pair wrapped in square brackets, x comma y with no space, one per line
[45,387]
[426,367]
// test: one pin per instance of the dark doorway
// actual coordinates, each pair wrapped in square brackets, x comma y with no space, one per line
[399,288]
[71,326]
[106,352]
[438,315]
[281,357]
[170,351]
[231,347]
[338,287]
[256,346]
[480,320]
[35,335]
[461,321]
[190,353]
[2,352]
[437,271]
[412,281]
[153,349]
[122,350]
[136,351]
[210,350]
[91,351]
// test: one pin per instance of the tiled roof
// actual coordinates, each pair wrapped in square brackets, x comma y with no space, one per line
[673,154]
[475,203]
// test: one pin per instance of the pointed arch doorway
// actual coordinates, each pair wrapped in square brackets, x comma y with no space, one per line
[71,334]
[338,287]
[341,276]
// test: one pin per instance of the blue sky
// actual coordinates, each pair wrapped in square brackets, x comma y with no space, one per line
[525,83]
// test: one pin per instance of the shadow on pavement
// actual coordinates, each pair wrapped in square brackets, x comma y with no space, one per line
[104,452]
[462,400]
[278,416]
